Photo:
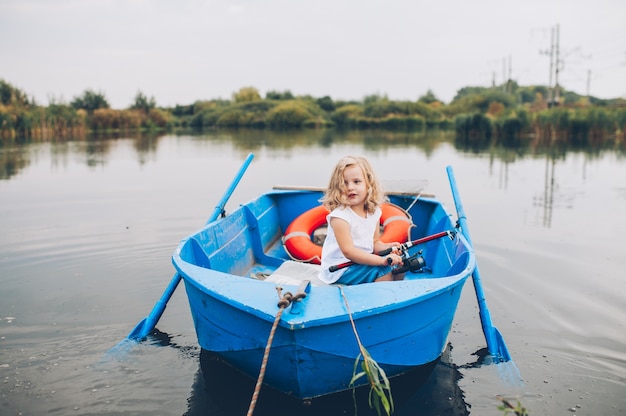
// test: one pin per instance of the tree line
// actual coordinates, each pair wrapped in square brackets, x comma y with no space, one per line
[510,114]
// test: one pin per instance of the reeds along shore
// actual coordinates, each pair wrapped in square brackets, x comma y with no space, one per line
[477,115]
[572,126]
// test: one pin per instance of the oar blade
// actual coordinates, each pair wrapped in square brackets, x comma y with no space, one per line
[140,332]
[502,351]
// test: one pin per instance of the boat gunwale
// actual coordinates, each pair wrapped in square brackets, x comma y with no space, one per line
[302,321]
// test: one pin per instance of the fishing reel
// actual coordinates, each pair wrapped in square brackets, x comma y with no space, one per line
[413,264]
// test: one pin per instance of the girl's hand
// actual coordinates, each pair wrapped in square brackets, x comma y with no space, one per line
[392,260]
[396,248]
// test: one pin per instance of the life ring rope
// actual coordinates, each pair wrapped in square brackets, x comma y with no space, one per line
[396,218]
[296,234]
[313,259]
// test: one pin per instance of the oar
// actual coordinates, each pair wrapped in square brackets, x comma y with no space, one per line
[146,326]
[495,343]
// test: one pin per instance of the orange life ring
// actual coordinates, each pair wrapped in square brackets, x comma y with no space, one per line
[297,239]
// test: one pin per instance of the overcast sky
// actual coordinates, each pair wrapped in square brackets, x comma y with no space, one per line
[180,51]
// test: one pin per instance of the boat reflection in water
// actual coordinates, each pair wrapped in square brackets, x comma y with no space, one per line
[219,389]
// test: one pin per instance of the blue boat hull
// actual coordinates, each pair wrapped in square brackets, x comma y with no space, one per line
[402,324]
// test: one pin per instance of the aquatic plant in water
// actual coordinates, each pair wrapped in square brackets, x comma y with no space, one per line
[508,408]
[380,397]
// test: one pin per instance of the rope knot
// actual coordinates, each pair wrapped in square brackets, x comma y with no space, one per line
[285,300]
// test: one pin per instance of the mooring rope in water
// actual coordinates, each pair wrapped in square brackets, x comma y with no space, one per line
[285,300]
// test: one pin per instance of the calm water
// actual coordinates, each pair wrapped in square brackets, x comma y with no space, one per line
[88,229]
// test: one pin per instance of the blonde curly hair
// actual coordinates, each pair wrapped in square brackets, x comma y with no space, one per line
[335,193]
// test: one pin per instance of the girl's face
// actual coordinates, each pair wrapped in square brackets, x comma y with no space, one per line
[355,186]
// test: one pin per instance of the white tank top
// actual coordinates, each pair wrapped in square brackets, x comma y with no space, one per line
[362,231]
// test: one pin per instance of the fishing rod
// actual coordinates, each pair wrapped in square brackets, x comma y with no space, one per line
[402,247]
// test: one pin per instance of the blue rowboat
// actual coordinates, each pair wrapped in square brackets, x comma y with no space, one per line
[232,268]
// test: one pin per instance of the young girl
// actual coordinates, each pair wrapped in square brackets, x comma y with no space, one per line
[353,198]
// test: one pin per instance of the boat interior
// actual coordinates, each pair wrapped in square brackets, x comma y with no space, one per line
[248,241]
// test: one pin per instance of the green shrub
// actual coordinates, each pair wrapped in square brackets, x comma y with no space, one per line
[510,131]
[365,122]
[11,96]
[275,95]
[207,117]
[346,115]
[159,118]
[289,114]
[246,94]
[415,123]
[602,123]
[578,131]
[382,108]
[90,101]
[472,126]
[620,120]
[394,122]
[326,103]
[234,117]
